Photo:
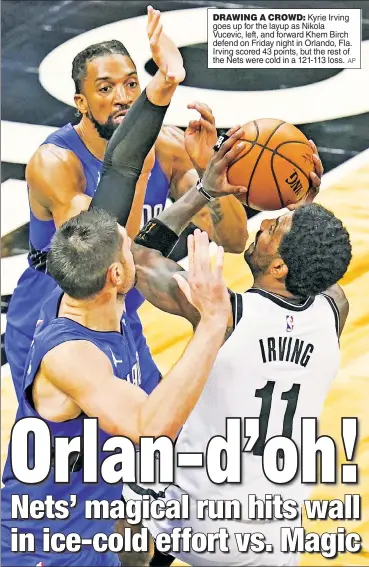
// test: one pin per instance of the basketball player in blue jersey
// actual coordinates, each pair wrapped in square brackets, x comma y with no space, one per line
[83,363]
[64,172]
[63,175]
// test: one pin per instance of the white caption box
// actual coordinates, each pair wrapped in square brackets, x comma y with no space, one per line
[245,38]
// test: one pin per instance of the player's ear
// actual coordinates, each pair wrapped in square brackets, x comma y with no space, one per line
[278,269]
[116,274]
[81,103]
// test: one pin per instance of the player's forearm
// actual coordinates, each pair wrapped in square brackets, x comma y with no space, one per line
[178,215]
[134,220]
[159,91]
[125,156]
[229,224]
[167,408]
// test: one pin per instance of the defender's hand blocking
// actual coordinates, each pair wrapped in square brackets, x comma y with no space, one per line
[200,136]
[215,179]
[205,288]
[315,180]
[165,53]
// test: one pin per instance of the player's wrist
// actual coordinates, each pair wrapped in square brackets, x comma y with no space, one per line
[203,190]
[214,322]
[171,78]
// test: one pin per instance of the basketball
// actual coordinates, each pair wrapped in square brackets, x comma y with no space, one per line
[274,166]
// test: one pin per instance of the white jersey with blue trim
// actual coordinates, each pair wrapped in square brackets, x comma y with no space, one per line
[277,366]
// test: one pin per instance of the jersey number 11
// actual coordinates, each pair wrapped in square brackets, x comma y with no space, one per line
[266,394]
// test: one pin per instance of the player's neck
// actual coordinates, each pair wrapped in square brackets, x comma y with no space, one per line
[91,138]
[273,286]
[101,313]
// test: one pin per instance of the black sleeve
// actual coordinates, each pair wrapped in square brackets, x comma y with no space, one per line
[125,155]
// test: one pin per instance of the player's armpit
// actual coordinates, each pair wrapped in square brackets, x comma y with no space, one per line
[340,300]
[155,281]
[56,184]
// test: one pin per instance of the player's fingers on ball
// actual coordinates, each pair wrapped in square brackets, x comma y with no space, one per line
[228,144]
[313,146]
[315,181]
[318,165]
[292,207]
[239,189]
[191,252]
[233,152]
[232,130]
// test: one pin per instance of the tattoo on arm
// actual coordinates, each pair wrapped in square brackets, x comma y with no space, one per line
[229,331]
[216,212]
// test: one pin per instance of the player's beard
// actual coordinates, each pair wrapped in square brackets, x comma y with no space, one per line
[104,129]
[258,263]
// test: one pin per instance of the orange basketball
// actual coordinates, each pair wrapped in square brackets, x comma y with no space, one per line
[274,166]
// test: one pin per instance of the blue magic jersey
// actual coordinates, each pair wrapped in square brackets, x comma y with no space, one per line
[34,286]
[121,351]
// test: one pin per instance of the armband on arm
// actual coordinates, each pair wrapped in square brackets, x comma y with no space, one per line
[158,236]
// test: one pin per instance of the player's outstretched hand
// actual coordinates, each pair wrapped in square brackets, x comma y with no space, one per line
[315,180]
[205,288]
[200,136]
[165,53]
[215,179]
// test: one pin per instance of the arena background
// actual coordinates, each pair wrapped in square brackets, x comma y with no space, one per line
[330,106]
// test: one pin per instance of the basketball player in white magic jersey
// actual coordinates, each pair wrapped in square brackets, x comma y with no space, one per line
[278,360]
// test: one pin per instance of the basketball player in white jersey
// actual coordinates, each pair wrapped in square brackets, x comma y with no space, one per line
[278,360]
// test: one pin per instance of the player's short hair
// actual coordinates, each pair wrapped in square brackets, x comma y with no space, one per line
[82,250]
[79,65]
[316,250]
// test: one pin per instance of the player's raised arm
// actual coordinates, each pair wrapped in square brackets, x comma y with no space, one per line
[84,373]
[132,141]
[168,59]
[154,271]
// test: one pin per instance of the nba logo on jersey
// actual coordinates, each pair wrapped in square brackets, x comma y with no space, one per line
[289,323]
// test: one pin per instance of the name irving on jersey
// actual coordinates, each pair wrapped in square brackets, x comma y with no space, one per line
[285,349]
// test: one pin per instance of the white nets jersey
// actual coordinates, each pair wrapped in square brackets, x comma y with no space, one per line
[277,366]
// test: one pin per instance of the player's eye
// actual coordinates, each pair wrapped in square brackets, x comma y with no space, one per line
[105,89]
[132,84]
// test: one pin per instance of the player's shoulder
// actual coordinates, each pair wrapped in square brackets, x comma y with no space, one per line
[74,356]
[50,155]
[338,301]
[50,160]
